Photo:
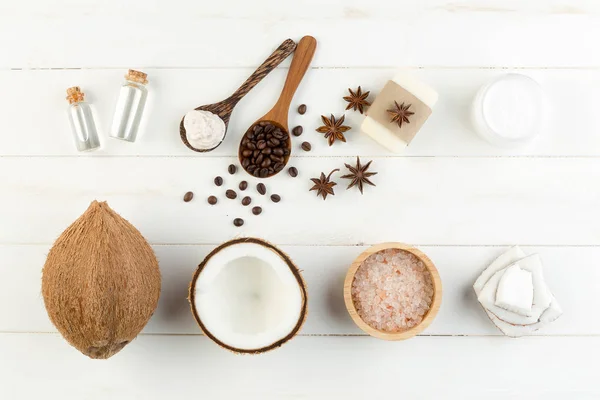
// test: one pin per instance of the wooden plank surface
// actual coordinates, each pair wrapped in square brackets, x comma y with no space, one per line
[354,33]
[457,198]
[44,130]
[160,367]
[451,201]
[324,268]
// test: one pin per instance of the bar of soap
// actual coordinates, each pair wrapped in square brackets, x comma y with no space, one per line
[515,290]
[405,90]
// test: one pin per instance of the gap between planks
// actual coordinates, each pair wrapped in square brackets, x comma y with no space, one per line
[333,67]
[318,335]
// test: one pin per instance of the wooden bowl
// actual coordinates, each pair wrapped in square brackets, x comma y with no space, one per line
[436,301]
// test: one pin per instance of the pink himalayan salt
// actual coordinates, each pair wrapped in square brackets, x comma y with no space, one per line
[392,290]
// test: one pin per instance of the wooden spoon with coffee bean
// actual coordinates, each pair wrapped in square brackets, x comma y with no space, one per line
[223,109]
[266,146]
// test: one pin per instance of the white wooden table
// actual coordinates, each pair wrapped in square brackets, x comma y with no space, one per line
[457,198]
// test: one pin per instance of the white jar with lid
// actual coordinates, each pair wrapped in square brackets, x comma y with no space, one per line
[508,111]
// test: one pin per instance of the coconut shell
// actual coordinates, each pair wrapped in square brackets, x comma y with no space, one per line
[101,282]
[294,270]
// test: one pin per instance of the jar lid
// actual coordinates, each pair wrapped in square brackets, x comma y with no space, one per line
[509,110]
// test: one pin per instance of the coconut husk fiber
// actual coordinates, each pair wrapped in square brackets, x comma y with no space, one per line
[100,282]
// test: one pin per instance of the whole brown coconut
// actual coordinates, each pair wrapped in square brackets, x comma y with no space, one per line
[101,282]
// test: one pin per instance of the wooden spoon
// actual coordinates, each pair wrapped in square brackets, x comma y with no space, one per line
[224,108]
[278,115]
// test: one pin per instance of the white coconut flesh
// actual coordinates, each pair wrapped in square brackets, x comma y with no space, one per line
[505,287]
[247,297]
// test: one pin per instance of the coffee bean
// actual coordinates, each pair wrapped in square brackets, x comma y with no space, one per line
[306,146]
[276,158]
[259,159]
[231,194]
[243,185]
[293,172]
[267,151]
[188,197]
[302,109]
[238,222]
[246,201]
[279,135]
[218,181]
[297,131]
[212,200]
[261,144]
[256,172]
[279,166]
[273,142]
[261,188]
[269,128]
[251,168]
[251,146]
[232,169]
[278,152]
[246,163]
[275,198]
[264,173]
[266,163]
[246,153]
[256,210]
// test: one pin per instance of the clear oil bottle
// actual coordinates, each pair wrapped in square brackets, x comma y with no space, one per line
[130,107]
[82,121]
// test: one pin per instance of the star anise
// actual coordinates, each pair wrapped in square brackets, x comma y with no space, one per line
[333,129]
[323,185]
[359,175]
[400,113]
[357,100]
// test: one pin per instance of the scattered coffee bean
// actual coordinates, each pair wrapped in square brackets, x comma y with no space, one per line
[275,198]
[293,172]
[232,169]
[238,222]
[218,181]
[246,201]
[243,185]
[297,131]
[256,210]
[302,109]
[188,197]
[231,194]
[212,200]
[261,188]
[263,147]
[306,146]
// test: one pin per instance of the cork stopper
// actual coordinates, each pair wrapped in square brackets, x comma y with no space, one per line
[74,94]
[137,76]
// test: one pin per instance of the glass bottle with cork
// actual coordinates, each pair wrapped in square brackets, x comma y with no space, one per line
[130,106]
[82,121]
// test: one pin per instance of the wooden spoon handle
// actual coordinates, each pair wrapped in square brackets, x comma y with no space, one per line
[281,53]
[302,58]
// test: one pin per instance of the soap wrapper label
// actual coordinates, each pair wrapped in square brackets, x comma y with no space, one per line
[385,101]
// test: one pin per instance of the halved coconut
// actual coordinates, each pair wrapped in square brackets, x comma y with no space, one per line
[248,296]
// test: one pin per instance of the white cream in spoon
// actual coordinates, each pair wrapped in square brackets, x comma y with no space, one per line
[203,129]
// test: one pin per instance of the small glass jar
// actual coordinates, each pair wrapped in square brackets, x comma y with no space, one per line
[130,107]
[82,121]
[508,111]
